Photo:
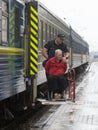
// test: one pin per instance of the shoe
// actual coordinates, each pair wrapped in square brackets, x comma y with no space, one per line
[56,95]
[59,96]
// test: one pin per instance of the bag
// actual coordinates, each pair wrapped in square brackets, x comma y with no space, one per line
[44,63]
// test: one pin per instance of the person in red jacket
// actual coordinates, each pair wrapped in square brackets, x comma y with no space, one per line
[55,69]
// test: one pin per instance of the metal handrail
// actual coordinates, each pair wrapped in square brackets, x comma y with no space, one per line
[71,82]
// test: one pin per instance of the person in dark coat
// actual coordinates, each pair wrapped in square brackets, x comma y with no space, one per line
[49,49]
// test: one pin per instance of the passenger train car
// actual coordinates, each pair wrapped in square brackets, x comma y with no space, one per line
[24,29]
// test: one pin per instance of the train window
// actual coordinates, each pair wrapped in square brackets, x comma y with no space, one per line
[4,22]
[39,36]
[16,26]
[55,32]
[4,30]
[45,32]
[41,33]
[4,6]
[50,32]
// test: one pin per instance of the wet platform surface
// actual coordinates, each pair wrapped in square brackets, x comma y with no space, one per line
[79,115]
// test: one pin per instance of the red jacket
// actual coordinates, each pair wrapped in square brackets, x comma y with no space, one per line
[55,68]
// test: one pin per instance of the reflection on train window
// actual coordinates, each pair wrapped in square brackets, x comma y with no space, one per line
[4,22]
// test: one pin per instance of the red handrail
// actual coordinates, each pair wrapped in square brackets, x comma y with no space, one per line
[71,82]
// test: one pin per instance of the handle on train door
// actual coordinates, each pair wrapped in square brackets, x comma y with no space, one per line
[71,80]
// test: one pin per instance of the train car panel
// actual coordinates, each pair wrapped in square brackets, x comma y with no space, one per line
[84,59]
[41,77]
[11,72]
[76,60]
[11,49]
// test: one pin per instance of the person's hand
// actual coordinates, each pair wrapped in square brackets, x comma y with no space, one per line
[65,59]
[67,55]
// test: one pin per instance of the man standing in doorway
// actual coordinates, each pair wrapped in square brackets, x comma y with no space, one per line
[49,49]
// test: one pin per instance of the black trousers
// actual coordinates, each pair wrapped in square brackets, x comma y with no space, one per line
[57,84]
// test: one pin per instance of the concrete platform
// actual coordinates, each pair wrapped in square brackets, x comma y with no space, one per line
[81,114]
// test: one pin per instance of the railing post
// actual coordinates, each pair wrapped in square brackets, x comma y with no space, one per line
[71,82]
